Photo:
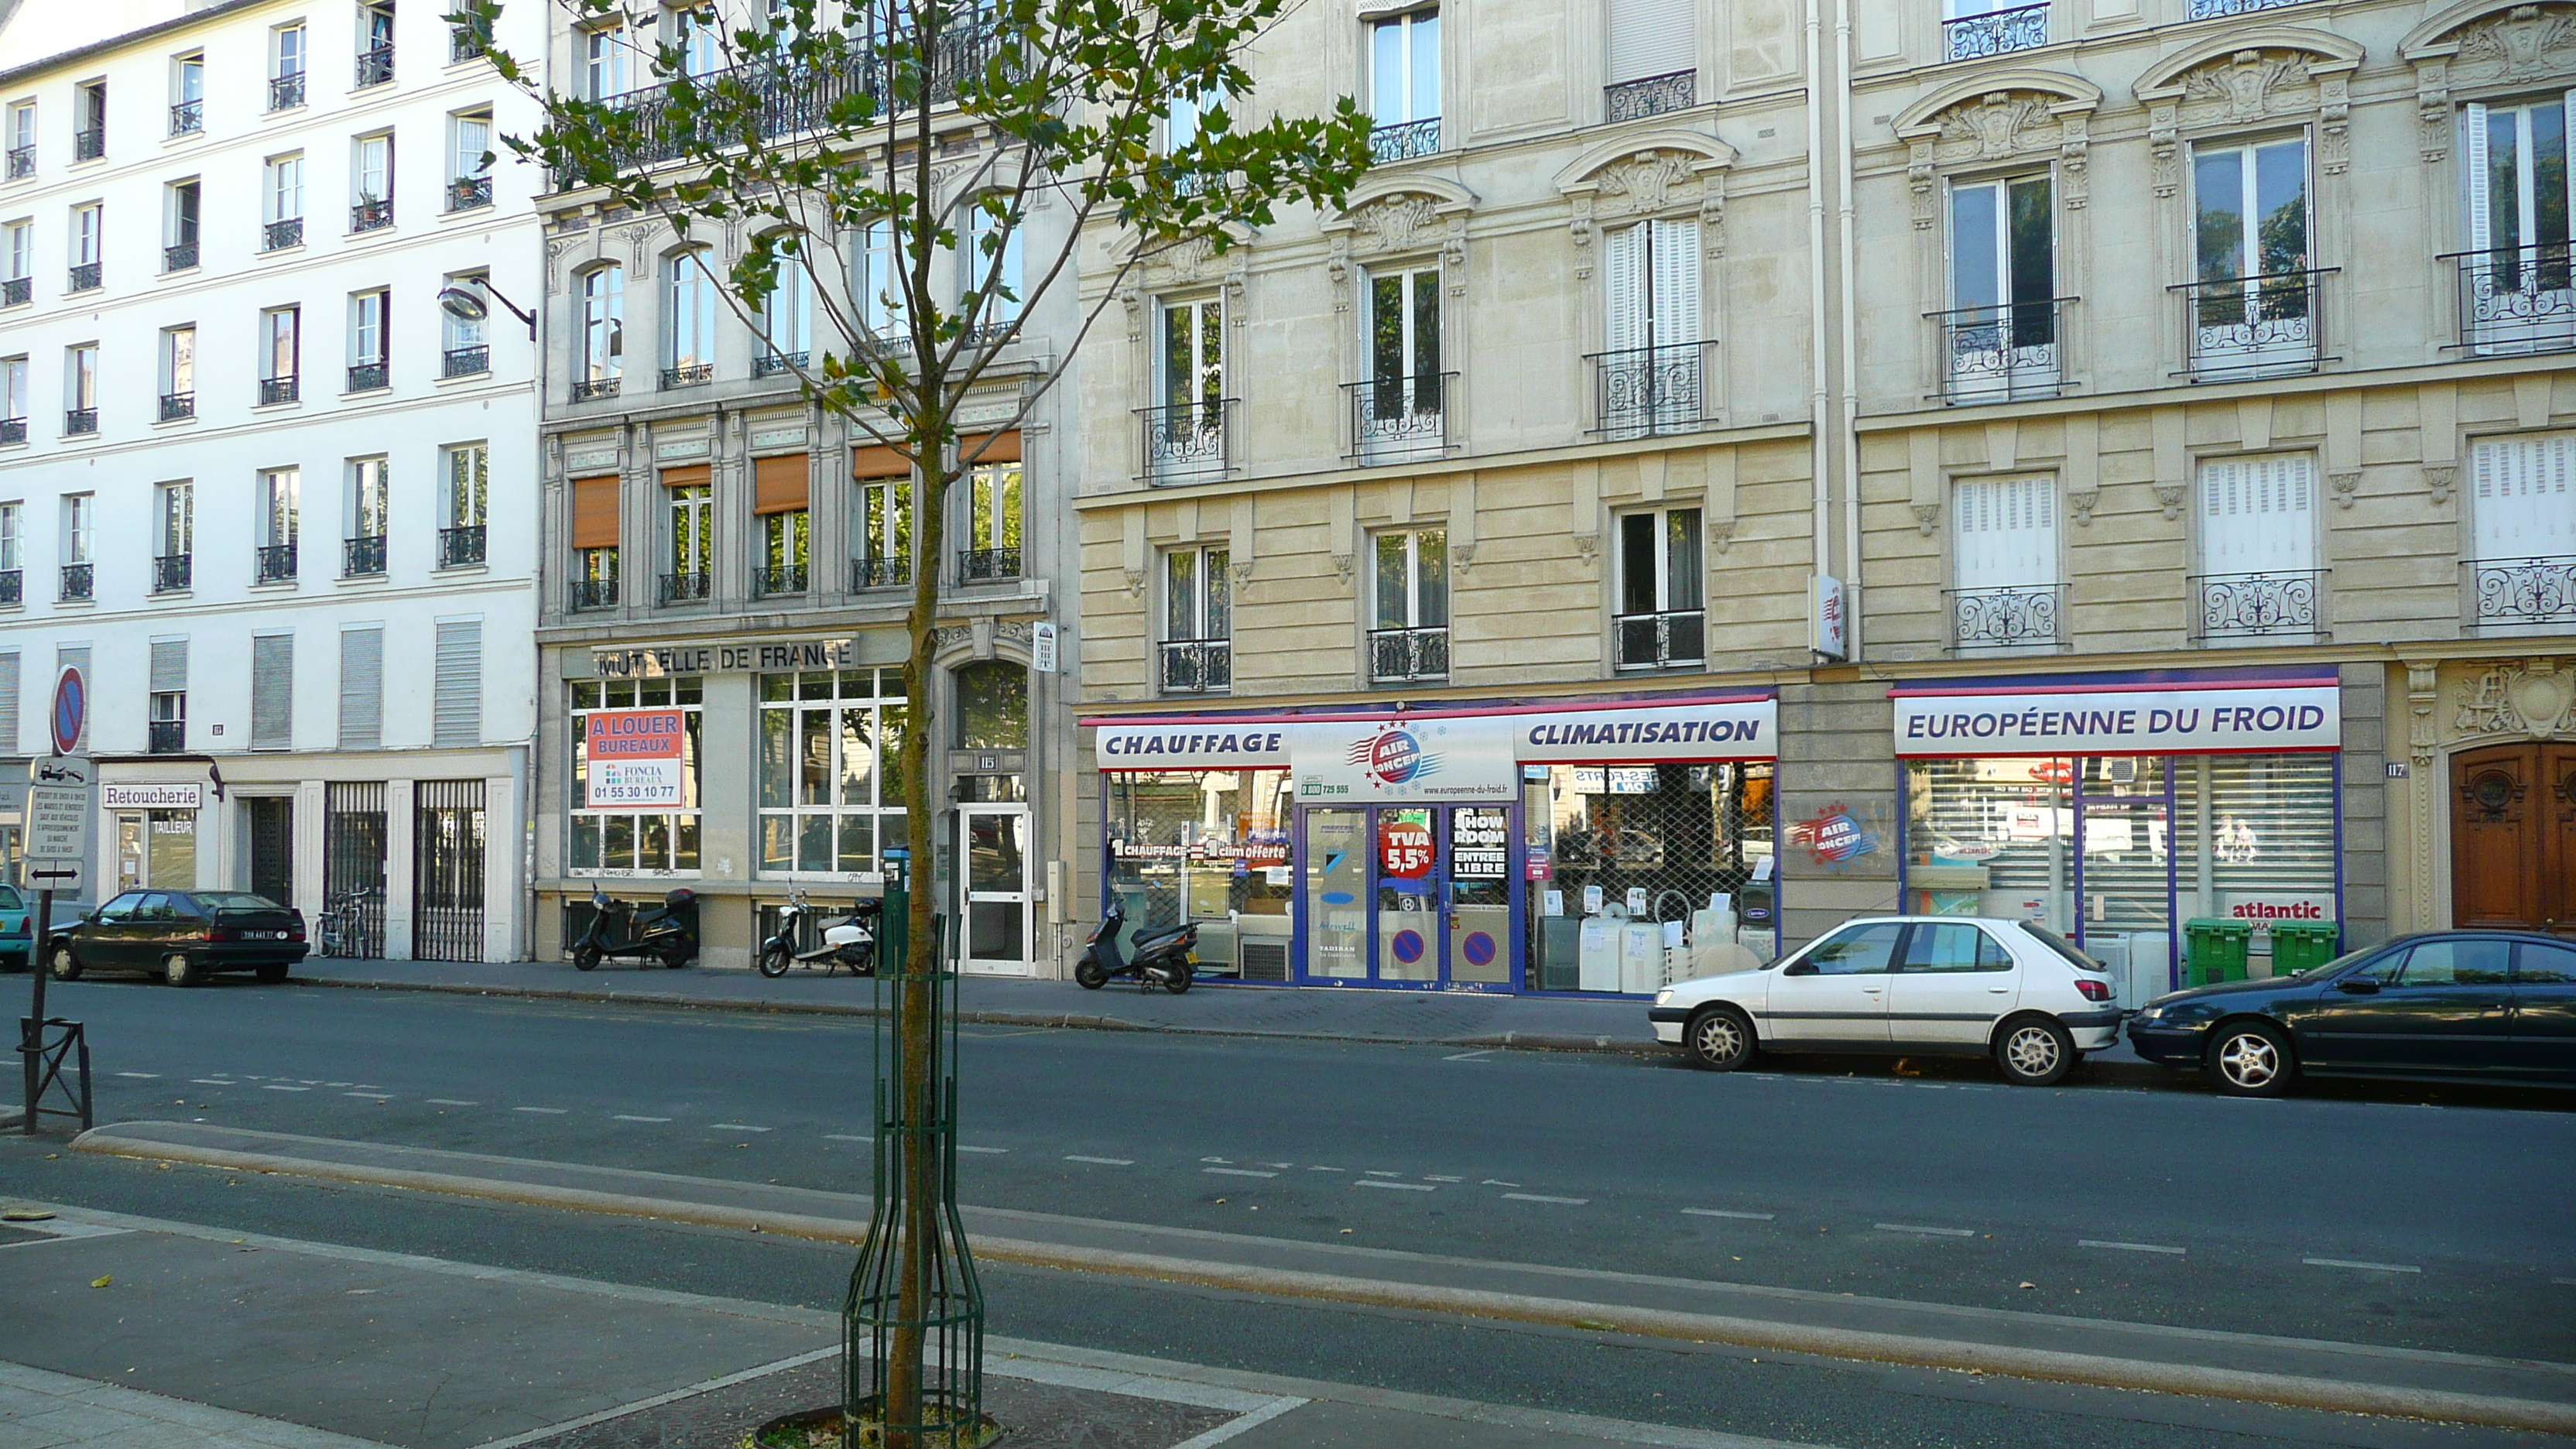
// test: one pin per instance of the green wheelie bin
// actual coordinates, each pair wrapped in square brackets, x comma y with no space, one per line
[2299,945]
[2214,950]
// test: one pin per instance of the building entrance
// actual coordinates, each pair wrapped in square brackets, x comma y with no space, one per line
[1411,895]
[994,880]
[2513,838]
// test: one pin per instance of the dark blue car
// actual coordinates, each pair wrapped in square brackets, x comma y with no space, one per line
[2492,1006]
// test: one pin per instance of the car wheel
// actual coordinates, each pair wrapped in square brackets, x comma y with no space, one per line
[67,967]
[2250,1059]
[178,970]
[2034,1052]
[272,973]
[1720,1039]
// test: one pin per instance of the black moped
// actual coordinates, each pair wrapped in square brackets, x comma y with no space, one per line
[1163,958]
[667,933]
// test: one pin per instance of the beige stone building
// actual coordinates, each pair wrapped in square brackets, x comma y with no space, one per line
[2107,462]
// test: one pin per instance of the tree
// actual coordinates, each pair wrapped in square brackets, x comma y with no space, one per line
[823,129]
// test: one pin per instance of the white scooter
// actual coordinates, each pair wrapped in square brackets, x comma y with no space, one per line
[848,942]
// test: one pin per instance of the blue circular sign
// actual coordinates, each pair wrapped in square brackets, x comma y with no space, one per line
[71,711]
[1408,946]
[1479,948]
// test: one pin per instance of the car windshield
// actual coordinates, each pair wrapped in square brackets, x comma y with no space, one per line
[10,900]
[236,901]
[2062,947]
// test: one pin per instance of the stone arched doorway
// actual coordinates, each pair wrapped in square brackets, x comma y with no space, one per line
[2513,836]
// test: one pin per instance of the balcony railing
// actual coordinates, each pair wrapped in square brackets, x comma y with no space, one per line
[369,376]
[776,579]
[590,389]
[179,256]
[2211,9]
[374,213]
[178,405]
[75,582]
[1997,32]
[84,278]
[22,162]
[2001,353]
[2511,591]
[89,145]
[375,66]
[2517,299]
[1188,441]
[1399,419]
[1653,95]
[363,557]
[77,421]
[13,586]
[1405,140]
[2017,616]
[2257,606]
[770,364]
[275,564]
[688,374]
[986,565]
[690,588]
[465,361]
[286,92]
[168,737]
[171,572]
[463,46]
[468,192]
[275,390]
[2267,326]
[460,547]
[879,573]
[17,291]
[1396,655]
[1661,640]
[277,236]
[187,117]
[593,594]
[13,430]
[1643,391]
[1197,666]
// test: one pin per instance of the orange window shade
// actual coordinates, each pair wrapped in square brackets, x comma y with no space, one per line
[594,512]
[876,462]
[695,477]
[1005,448]
[778,484]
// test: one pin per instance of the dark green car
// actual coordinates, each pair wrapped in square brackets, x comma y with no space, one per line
[182,937]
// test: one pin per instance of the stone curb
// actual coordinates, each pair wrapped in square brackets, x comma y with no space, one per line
[2290,1391]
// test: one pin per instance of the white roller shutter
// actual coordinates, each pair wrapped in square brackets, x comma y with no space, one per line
[458,713]
[2524,503]
[362,688]
[8,704]
[169,666]
[272,692]
[1652,37]
[2258,515]
[2003,532]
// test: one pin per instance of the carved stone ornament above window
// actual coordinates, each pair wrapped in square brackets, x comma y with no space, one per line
[2519,697]
[1396,215]
[2249,77]
[1665,173]
[1998,117]
[1191,260]
[2482,44]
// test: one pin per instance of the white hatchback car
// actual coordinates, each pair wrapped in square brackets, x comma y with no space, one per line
[1920,985]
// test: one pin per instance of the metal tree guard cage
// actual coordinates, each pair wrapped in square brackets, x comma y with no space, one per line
[915,1273]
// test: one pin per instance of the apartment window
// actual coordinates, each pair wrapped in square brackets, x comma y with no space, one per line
[2000,333]
[2516,289]
[286,59]
[1183,119]
[1397,411]
[13,399]
[188,94]
[467,483]
[1185,434]
[13,552]
[365,553]
[2253,294]
[21,140]
[89,121]
[1404,85]
[17,263]
[282,203]
[375,43]
[690,524]
[783,551]
[688,320]
[603,332]
[609,836]
[1198,623]
[80,388]
[786,321]
[2258,548]
[1650,377]
[885,531]
[604,62]
[881,286]
[280,494]
[1654,58]
[831,798]
[362,688]
[2522,521]
[1409,616]
[992,541]
[469,160]
[987,240]
[371,182]
[465,346]
[369,319]
[700,38]
[1978,28]
[281,333]
[1662,611]
[272,691]
[79,514]
[89,225]
[178,373]
[2003,562]
[169,733]
[179,228]
[172,566]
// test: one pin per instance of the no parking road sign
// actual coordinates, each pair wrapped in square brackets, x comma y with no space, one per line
[71,711]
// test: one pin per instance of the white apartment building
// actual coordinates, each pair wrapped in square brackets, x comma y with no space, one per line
[256,478]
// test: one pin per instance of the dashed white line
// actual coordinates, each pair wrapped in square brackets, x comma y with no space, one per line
[146,1076]
[1543,1197]
[988,1151]
[1374,1172]
[213,1082]
[282,1087]
[2128,1247]
[628,1117]
[1435,1177]
[2564,1282]
[1393,1186]
[1314,1168]
[2364,1267]
[1496,1182]
[847,1137]
[543,1111]
[1927,1232]
[1237,1172]
[1728,1213]
[734,1127]
[370,1096]
[1467,1056]
[452,1102]
[1103,1161]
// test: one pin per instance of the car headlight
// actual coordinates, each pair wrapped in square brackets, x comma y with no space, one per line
[1663,996]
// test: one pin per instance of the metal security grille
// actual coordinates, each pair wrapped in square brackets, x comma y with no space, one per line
[353,870]
[447,879]
[1686,849]
[272,848]
[457,716]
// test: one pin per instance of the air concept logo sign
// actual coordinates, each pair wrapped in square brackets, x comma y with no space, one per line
[1394,756]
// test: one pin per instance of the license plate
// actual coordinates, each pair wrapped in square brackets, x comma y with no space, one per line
[1194,958]
[268,935]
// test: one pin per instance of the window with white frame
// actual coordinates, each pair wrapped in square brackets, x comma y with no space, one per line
[80,515]
[280,352]
[181,204]
[1650,369]
[286,59]
[469,160]
[22,140]
[371,181]
[13,395]
[882,310]
[465,342]
[1187,115]
[992,544]
[1409,614]
[368,501]
[786,319]
[466,485]
[1662,610]
[688,319]
[282,203]
[13,549]
[605,59]
[831,797]
[2258,547]
[621,840]
[187,93]
[603,324]
[2003,561]
[2000,331]
[691,527]
[1404,84]
[17,260]
[992,256]
[1198,620]
[178,368]
[1193,347]
[281,507]
[885,532]
[699,37]
[178,531]
[80,388]
[370,315]
[2253,288]
[1400,411]
[2522,521]
[88,238]
[2518,291]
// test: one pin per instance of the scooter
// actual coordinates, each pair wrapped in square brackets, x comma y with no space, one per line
[1163,958]
[667,933]
[850,943]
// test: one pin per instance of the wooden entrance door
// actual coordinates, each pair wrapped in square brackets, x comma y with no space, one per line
[2513,838]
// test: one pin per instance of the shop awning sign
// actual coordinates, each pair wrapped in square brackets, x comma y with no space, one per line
[1397,758]
[1433,755]
[154,795]
[635,759]
[2244,719]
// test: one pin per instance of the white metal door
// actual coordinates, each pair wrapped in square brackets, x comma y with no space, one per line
[993,878]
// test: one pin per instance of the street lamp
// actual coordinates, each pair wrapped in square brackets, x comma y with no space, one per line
[466,303]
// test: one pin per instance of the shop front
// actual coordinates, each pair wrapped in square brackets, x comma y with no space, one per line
[156,833]
[2117,808]
[1604,847]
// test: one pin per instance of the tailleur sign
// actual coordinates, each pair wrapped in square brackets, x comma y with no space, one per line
[635,759]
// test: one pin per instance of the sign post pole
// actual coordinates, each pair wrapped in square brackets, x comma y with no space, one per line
[57,829]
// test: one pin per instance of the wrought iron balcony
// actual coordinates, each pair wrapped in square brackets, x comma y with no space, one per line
[84,278]
[363,557]
[2257,606]
[2523,591]
[277,236]
[187,117]
[1188,441]
[771,364]
[2002,353]
[2517,299]
[89,144]
[13,430]
[1400,419]
[77,421]
[1643,391]
[275,564]
[590,389]
[465,193]
[75,582]
[22,162]
[987,565]
[465,361]
[690,588]
[1662,640]
[369,376]
[17,291]
[688,374]
[1653,95]
[286,92]
[375,66]
[13,586]
[179,256]
[1197,666]
[1997,32]
[460,547]
[1405,140]
[168,737]
[2018,616]
[593,594]
[879,573]
[2211,9]
[1397,655]
[372,213]
[274,390]
[778,579]
[178,405]
[2267,326]
[171,572]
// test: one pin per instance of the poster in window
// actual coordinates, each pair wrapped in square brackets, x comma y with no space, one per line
[1479,843]
[635,759]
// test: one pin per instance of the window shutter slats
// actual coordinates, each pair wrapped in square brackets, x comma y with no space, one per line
[1651,38]
[272,692]
[362,688]
[1676,282]
[594,512]
[9,703]
[2525,496]
[2258,515]
[169,666]
[2473,120]
[1624,276]
[457,716]
[778,484]
[2004,532]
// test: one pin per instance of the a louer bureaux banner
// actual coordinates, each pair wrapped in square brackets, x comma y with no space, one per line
[635,759]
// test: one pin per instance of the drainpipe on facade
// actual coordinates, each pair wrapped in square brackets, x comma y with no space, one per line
[1818,399]
[1845,145]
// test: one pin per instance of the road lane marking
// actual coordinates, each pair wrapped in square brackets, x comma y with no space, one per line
[2365,1267]
[451,1102]
[2564,1282]
[146,1076]
[282,1087]
[543,1111]
[213,1082]
[1543,1197]
[370,1096]
[1467,1056]
[626,1117]
[1313,1168]
[1237,1172]
[2128,1247]
[1496,1182]
[734,1127]
[1374,1172]
[847,1137]
[1103,1161]
[1435,1177]
[988,1151]
[1928,1232]
[1728,1213]
[1394,1186]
